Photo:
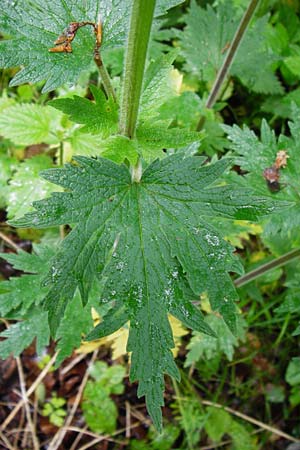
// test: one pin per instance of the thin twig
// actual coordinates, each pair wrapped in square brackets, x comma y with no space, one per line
[274,264]
[106,81]
[19,429]
[84,432]
[59,436]
[108,437]
[183,415]
[108,87]
[78,438]
[29,392]
[73,363]
[9,241]
[35,440]
[222,73]
[228,441]
[6,442]
[128,420]
[251,420]
[221,444]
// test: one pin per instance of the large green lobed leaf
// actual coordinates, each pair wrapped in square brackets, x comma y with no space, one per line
[35,25]
[151,246]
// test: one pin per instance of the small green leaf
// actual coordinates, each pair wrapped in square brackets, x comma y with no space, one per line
[99,117]
[204,346]
[99,410]
[20,335]
[293,64]
[152,139]
[292,375]
[21,293]
[218,423]
[159,86]
[85,144]
[26,186]
[118,148]
[29,124]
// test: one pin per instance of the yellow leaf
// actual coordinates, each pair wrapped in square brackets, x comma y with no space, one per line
[178,332]
[118,340]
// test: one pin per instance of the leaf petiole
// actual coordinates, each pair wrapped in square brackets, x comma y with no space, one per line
[224,69]
[262,270]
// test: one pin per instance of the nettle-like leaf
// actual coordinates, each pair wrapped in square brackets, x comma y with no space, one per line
[161,82]
[99,117]
[185,111]
[205,51]
[220,422]
[21,334]
[152,135]
[77,320]
[152,247]
[281,233]
[27,124]
[26,186]
[21,298]
[35,25]
[204,346]
[118,340]
[19,294]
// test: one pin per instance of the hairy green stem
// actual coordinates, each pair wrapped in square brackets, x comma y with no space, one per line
[277,262]
[239,34]
[136,172]
[105,78]
[139,34]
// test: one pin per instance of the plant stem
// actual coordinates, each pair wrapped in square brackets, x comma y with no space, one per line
[108,87]
[61,154]
[277,262]
[239,34]
[139,34]
[252,420]
[136,172]
[182,412]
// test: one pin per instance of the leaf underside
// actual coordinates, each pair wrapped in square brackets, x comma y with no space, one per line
[151,247]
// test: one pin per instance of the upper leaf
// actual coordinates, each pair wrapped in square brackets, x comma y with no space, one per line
[99,117]
[151,246]
[35,25]
[205,51]
[255,156]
